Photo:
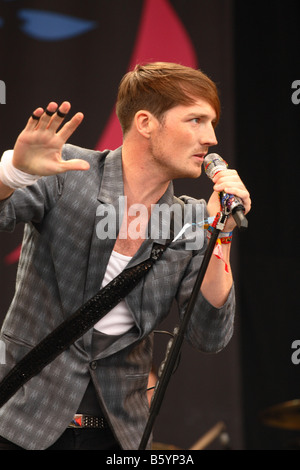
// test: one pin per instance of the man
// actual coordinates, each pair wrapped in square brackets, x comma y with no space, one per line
[168,115]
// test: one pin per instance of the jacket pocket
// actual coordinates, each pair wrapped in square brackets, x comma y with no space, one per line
[16,340]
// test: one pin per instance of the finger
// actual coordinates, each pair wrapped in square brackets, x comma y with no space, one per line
[67,130]
[233,188]
[232,179]
[242,193]
[59,116]
[225,175]
[34,119]
[47,115]
[75,164]
[228,184]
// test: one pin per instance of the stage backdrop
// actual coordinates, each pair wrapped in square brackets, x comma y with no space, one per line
[267,128]
[78,51]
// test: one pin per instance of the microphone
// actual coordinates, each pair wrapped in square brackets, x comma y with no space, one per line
[213,163]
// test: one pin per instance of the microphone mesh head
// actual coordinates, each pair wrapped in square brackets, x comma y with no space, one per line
[214,163]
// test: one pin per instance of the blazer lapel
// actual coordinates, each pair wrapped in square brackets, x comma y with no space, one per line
[108,197]
[100,249]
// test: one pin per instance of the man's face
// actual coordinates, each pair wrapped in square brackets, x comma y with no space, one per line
[179,143]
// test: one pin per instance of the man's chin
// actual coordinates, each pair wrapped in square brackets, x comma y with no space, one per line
[192,174]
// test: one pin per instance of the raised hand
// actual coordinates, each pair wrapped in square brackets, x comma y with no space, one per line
[38,148]
[229,182]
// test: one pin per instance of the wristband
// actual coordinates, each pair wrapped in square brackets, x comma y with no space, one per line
[11,176]
[223,237]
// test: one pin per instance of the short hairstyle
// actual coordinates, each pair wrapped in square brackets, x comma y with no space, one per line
[158,87]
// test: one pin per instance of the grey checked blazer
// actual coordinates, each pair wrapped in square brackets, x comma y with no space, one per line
[62,264]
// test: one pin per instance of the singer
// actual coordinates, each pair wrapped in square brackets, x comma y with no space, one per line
[93,394]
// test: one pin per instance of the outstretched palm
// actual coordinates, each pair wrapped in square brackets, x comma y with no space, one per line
[38,148]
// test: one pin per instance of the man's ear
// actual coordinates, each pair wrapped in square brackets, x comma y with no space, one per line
[145,122]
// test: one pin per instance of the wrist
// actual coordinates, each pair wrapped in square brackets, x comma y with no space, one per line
[12,177]
[223,237]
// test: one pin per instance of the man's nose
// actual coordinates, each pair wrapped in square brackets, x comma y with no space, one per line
[209,138]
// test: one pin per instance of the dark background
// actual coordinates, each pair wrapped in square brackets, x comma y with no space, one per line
[251,50]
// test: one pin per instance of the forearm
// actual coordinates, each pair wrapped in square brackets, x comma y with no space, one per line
[217,282]
[10,177]
[210,328]
[5,191]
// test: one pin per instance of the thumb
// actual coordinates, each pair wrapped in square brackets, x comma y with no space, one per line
[75,164]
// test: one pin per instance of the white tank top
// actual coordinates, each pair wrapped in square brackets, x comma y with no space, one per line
[119,319]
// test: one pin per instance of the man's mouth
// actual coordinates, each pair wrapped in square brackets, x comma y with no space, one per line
[199,156]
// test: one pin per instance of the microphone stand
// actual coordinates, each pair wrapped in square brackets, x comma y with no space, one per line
[174,350]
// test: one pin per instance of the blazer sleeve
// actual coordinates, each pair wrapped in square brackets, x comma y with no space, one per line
[210,328]
[30,204]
